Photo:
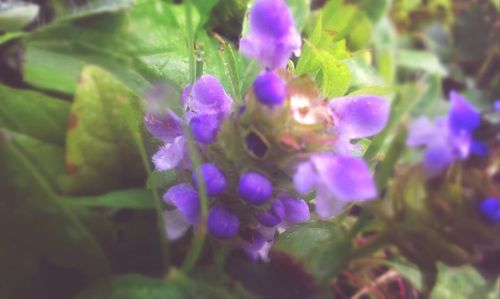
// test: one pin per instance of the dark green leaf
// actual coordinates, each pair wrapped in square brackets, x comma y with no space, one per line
[130,199]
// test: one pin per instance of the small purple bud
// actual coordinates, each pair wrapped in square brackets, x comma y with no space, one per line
[255,188]
[272,216]
[270,89]
[205,128]
[222,223]
[215,181]
[490,209]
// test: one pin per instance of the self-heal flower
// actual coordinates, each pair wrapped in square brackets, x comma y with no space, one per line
[187,203]
[337,179]
[272,36]
[449,138]
[206,106]
[357,117]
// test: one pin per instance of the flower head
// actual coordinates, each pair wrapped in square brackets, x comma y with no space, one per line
[272,36]
[449,138]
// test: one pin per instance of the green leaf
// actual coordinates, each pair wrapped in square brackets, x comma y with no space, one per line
[101,144]
[335,76]
[16,15]
[98,7]
[46,122]
[420,60]
[362,73]
[129,199]
[301,9]
[375,9]
[33,216]
[320,248]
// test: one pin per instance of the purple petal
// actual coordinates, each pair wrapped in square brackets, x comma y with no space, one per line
[186,200]
[208,97]
[296,210]
[176,224]
[272,216]
[205,128]
[253,243]
[272,37]
[496,105]
[165,127]
[169,155]
[327,205]
[222,223]
[421,132]
[270,89]
[462,116]
[347,178]
[360,116]
[304,178]
[437,157]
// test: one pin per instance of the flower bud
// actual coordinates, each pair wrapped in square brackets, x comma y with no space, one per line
[272,216]
[255,188]
[205,128]
[270,89]
[490,209]
[222,223]
[215,181]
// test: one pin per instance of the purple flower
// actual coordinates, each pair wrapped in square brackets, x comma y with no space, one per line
[222,223]
[165,127]
[270,89]
[272,36]
[207,97]
[449,138]
[215,181]
[255,188]
[170,154]
[338,180]
[273,215]
[296,210]
[187,212]
[256,246]
[358,117]
[489,208]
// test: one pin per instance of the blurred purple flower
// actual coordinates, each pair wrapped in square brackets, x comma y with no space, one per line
[255,188]
[337,179]
[449,138]
[489,208]
[222,223]
[270,89]
[272,35]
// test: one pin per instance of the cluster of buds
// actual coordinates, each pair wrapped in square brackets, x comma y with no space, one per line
[447,208]
[261,158]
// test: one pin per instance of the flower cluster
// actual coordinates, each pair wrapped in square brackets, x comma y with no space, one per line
[284,142]
[450,139]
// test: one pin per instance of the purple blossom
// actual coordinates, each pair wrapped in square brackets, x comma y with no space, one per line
[270,89]
[165,127]
[272,35]
[222,223]
[296,210]
[449,138]
[187,203]
[337,179]
[489,208]
[215,181]
[358,117]
[256,246]
[496,105]
[255,188]
[170,154]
